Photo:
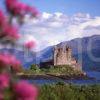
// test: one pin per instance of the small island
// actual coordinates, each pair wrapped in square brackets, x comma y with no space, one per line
[62,66]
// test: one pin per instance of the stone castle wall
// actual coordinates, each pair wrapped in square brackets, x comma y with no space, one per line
[63,56]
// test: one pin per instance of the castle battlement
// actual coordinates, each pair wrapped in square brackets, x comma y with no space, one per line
[63,56]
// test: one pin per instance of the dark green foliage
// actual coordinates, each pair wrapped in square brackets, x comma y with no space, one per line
[92,92]
[54,70]
[34,67]
[62,91]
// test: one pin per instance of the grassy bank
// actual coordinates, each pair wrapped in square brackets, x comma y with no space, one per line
[61,91]
[60,69]
[63,71]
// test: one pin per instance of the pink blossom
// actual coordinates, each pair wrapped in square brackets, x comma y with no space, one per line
[8,59]
[5,59]
[10,4]
[11,32]
[15,7]
[25,91]
[33,11]
[7,30]
[30,44]
[18,8]
[1,16]
[16,65]
[4,81]
[2,19]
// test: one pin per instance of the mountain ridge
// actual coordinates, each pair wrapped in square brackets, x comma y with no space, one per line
[74,44]
[87,62]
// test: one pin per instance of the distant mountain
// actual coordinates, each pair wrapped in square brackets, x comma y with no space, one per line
[81,47]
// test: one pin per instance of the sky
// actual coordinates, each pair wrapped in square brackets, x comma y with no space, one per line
[68,7]
[61,20]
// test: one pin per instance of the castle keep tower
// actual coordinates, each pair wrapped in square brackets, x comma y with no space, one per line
[62,55]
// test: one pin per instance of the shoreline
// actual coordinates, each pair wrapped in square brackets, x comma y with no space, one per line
[54,77]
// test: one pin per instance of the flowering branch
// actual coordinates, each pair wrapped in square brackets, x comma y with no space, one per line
[18,90]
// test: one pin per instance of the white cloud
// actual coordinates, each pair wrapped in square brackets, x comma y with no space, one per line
[54,28]
[46,15]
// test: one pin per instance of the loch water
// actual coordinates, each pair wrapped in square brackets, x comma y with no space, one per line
[93,74]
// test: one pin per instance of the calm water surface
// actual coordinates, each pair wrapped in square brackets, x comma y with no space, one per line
[96,75]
